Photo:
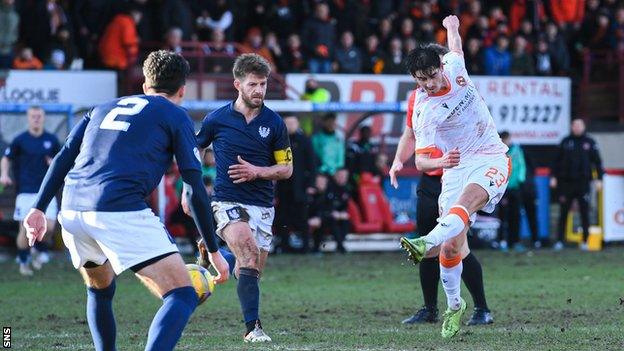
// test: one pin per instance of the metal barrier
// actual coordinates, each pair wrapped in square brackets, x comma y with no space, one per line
[601,90]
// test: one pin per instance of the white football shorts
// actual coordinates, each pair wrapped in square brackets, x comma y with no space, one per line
[491,173]
[124,238]
[260,220]
[25,201]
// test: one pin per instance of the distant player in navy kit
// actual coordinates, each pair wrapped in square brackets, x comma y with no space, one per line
[252,150]
[111,161]
[29,155]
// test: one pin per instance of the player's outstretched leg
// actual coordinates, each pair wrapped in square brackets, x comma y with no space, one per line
[448,227]
[416,248]
[168,279]
[100,282]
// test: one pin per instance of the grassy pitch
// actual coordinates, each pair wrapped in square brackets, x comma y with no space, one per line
[569,300]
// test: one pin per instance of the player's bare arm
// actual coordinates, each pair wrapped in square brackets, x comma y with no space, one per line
[449,160]
[405,150]
[451,23]
[246,172]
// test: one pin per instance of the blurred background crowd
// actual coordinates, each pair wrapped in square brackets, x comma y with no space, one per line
[510,37]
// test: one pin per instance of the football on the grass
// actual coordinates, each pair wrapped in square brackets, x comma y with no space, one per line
[202,281]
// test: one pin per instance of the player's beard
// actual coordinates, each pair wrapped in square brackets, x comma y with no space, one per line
[248,100]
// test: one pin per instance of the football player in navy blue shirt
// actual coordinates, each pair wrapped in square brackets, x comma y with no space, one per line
[252,150]
[112,160]
[29,156]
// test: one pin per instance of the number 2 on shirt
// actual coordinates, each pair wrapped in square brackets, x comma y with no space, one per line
[109,121]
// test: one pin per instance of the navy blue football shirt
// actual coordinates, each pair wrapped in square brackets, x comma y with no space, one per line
[127,146]
[262,142]
[30,157]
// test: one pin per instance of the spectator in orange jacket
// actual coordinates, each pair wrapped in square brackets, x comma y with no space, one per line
[567,12]
[26,60]
[254,44]
[119,45]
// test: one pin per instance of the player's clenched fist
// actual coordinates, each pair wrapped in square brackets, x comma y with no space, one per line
[450,159]
[450,22]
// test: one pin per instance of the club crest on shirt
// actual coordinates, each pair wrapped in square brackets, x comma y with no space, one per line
[460,80]
[47,144]
[264,131]
[233,214]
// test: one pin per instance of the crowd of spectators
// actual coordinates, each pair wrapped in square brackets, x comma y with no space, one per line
[520,37]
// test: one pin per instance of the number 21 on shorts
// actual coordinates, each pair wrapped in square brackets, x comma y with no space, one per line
[497,177]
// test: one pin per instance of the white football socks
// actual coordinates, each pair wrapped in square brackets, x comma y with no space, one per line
[448,227]
[451,281]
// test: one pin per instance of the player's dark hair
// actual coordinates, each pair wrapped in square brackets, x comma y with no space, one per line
[165,71]
[250,63]
[504,134]
[441,50]
[422,59]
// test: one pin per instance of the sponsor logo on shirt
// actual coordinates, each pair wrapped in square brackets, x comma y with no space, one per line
[47,144]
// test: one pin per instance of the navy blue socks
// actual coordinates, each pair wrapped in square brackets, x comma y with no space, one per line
[23,255]
[41,246]
[100,317]
[171,318]
[248,291]
[229,257]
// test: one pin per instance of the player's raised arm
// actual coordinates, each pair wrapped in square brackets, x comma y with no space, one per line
[451,23]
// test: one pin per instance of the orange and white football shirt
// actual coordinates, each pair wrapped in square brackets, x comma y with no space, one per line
[454,118]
